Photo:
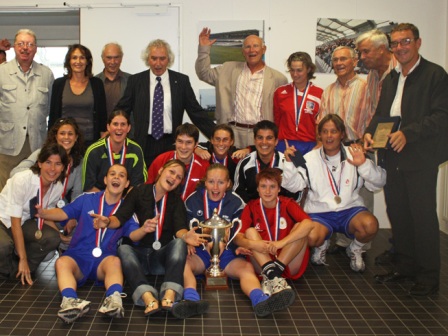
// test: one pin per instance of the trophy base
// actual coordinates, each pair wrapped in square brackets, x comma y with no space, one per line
[216,282]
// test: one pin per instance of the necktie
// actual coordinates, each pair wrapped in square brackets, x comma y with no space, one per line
[157,111]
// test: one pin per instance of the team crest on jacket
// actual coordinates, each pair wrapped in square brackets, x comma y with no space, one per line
[309,107]
[283,223]
[199,213]
[258,228]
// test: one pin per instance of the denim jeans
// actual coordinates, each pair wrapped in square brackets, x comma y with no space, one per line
[137,262]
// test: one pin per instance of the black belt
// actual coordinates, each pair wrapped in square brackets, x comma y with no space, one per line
[234,123]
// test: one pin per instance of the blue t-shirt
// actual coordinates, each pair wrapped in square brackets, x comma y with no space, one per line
[84,237]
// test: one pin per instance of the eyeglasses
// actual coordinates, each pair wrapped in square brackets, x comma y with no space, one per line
[342,59]
[403,42]
[25,44]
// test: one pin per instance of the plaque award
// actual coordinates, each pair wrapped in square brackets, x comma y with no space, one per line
[384,127]
[218,228]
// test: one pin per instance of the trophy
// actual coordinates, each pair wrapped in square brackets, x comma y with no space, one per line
[218,228]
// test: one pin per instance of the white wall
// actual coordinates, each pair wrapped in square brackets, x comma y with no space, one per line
[289,26]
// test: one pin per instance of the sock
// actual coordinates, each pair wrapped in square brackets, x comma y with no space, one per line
[69,292]
[114,288]
[271,270]
[191,294]
[256,296]
[357,244]
[280,265]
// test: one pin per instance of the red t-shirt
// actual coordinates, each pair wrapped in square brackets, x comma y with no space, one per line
[192,177]
[290,214]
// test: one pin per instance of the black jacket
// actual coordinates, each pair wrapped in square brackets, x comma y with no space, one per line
[424,115]
[99,104]
[135,101]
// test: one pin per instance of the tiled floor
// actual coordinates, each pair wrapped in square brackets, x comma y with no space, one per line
[330,301]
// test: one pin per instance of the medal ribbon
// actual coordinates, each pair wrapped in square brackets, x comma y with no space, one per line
[101,232]
[299,106]
[216,160]
[190,168]
[67,175]
[40,196]
[206,208]
[271,164]
[111,153]
[335,187]
[161,214]
[277,219]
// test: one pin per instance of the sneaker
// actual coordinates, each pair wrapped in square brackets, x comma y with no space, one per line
[72,309]
[356,261]
[278,285]
[319,256]
[266,285]
[186,308]
[113,306]
[278,301]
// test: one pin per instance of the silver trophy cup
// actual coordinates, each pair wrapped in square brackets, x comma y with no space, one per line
[219,229]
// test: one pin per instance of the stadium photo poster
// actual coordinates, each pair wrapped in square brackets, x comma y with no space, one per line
[229,37]
[207,99]
[332,33]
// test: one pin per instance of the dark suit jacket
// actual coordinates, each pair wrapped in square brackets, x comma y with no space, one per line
[136,100]
[424,116]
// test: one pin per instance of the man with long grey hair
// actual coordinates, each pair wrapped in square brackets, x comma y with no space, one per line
[157,98]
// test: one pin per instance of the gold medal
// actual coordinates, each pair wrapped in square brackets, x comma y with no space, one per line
[38,234]
[337,199]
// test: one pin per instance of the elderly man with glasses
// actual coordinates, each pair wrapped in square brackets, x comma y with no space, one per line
[244,90]
[25,89]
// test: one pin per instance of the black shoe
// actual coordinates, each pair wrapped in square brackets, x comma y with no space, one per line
[336,249]
[421,289]
[392,277]
[387,257]
[186,308]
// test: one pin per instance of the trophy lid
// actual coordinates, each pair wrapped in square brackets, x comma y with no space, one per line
[216,221]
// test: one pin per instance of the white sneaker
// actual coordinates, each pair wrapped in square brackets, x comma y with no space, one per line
[279,284]
[266,285]
[356,261]
[113,306]
[72,309]
[319,256]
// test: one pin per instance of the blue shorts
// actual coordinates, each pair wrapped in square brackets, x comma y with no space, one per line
[337,221]
[87,265]
[224,259]
[303,146]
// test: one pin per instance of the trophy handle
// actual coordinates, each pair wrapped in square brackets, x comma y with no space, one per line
[192,221]
[240,225]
